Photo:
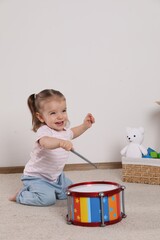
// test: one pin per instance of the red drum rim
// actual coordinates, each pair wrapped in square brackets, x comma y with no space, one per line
[71,192]
[96,224]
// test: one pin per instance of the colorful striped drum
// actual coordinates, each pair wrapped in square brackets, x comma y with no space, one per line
[95,203]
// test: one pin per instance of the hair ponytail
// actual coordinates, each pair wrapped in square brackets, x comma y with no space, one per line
[33,109]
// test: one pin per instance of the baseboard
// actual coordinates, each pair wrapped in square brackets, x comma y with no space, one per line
[83,167]
[68,167]
[8,170]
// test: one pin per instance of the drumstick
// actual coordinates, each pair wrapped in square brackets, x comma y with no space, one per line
[79,155]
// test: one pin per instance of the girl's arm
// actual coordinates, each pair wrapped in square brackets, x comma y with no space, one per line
[87,123]
[53,143]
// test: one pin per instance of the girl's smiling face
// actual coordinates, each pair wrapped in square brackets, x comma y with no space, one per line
[53,113]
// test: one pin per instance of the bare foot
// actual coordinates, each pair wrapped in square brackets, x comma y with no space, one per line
[13,197]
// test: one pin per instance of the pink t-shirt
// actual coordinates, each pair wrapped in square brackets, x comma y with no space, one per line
[47,163]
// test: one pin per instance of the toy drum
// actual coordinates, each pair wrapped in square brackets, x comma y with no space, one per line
[95,203]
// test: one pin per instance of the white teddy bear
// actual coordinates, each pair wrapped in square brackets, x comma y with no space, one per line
[134,149]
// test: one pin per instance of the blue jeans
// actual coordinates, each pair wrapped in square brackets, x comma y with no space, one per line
[40,192]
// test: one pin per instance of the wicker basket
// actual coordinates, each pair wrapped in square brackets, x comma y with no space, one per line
[141,170]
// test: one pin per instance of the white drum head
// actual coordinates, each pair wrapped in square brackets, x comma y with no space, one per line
[93,188]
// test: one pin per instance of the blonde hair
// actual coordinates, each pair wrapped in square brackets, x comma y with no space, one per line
[34,103]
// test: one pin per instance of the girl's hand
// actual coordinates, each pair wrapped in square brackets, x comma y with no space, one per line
[67,145]
[89,120]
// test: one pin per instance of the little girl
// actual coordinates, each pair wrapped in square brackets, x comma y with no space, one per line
[43,177]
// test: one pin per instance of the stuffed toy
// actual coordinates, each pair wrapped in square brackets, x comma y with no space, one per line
[134,149]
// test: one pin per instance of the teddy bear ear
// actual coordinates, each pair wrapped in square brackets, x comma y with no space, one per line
[141,129]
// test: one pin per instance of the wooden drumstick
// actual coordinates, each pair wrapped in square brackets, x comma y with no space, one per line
[79,155]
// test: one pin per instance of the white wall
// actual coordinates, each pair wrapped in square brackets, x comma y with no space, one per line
[103,55]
